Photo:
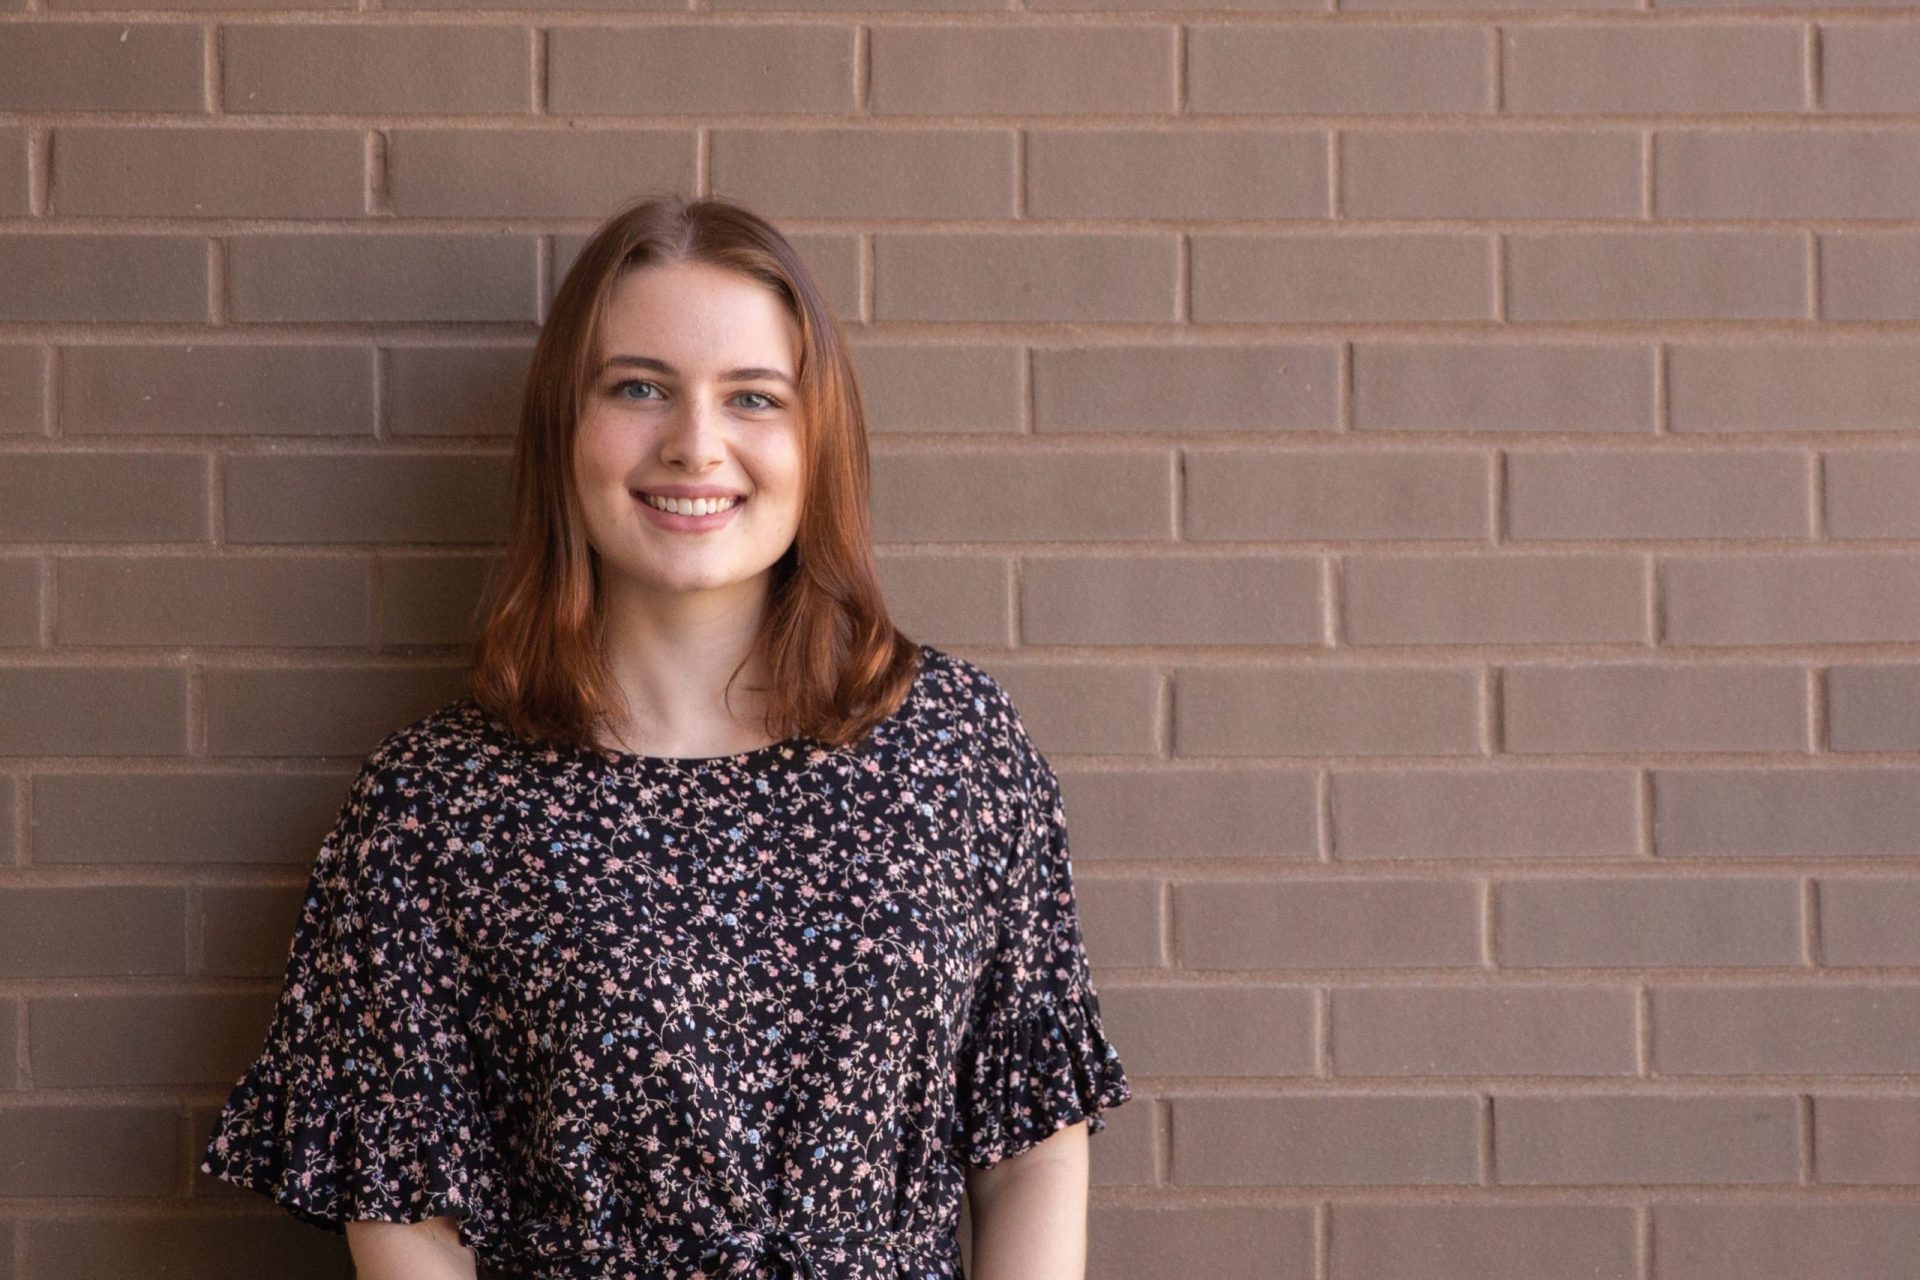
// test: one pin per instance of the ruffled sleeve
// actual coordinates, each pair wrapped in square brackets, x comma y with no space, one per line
[1035,1057]
[363,1102]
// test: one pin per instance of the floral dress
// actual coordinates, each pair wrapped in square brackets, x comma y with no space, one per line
[657,1018]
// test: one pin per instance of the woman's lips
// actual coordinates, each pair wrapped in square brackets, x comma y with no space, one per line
[687,524]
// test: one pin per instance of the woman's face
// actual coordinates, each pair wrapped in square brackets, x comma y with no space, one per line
[692,389]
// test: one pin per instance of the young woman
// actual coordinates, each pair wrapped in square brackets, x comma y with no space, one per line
[604,974]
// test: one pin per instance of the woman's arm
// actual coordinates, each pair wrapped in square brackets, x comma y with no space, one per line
[429,1250]
[1028,1213]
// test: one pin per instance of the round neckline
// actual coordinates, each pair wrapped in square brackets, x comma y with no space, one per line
[799,747]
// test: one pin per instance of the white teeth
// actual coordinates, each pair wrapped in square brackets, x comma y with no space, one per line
[689,506]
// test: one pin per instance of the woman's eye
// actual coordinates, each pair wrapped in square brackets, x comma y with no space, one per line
[619,387]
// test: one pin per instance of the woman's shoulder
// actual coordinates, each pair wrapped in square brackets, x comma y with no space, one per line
[975,709]
[442,755]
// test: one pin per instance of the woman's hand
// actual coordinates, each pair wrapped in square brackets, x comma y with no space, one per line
[429,1250]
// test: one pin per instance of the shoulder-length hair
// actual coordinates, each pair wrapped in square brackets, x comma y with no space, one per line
[835,662]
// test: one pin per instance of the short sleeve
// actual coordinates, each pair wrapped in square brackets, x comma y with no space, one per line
[1035,1057]
[363,1102]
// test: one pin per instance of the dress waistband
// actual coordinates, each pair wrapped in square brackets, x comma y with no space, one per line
[752,1251]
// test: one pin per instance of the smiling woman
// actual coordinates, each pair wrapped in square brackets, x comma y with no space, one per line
[597,978]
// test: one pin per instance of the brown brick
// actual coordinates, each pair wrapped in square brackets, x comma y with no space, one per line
[1191,172]
[1873,707]
[965,598]
[102,278]
[1159,389]
[20,603]
[701,68]
[11,806]
[88,1149]
[420,277]
[366,69]
[1593,493]
[1473,1031]
[1490,173]
[89,931]
[432,598]
[1869,66]
[529,173]
[1786,173]
[1325,1141]
[209,173]
[1653,69]
[866,172]
[1653,706]
[317,711]
[259,389]
[1193,813]
[1775,598]
[1518,6]
[94,496]
[1327,924]
[1866,1140]
[1342,276]
[1867,275]
[102,66]
[913,388]
[1503,386]
[246,931]
[1024,276]
[1184,599]
[1021,494]
[251,1243]
[1647,921]
[1869,493]
[141,1039]
[1121,920]
[1322,68]
[1786,1030]
[1505,598]
[1192,1029]
[1484,1241]
[1110,69]
[1159,1238]
[1794,386]
[1740,1241]
[1322,710]
[452,391]
[1778,813]
[384,497]
[1869,921]
[1547,1141]
[212,600]
[13,172]
[1484,813]
[1658,275]
[256,818]
[23,407]
[1284,495]
[88,709]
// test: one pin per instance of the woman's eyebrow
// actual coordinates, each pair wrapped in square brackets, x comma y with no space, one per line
[731,375]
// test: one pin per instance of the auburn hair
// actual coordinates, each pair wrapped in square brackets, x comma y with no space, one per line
[836,665]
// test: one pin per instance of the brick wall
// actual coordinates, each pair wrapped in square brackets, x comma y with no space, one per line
[1435,479]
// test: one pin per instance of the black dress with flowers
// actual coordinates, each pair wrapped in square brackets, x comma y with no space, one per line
[652,1018]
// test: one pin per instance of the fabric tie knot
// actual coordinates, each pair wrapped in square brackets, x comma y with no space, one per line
[744,1252]
[748,1250]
